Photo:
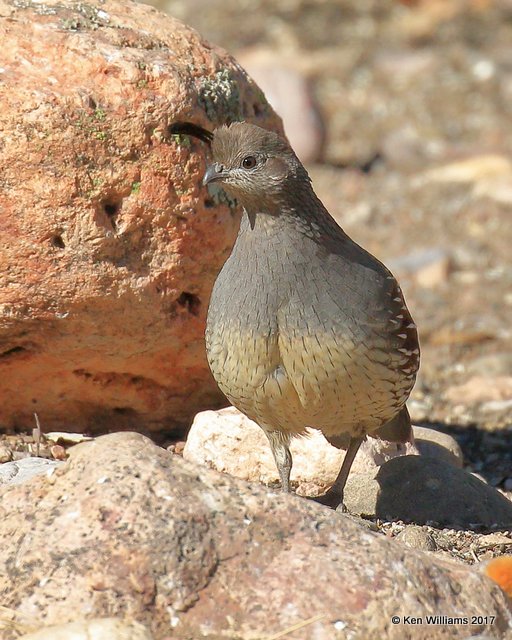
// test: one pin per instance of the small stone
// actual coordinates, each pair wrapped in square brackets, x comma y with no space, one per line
[496,188]
[58,452]
[405,65]
[469,170]
[417,538]
[64,437]
[494,364]
[179,447]
[20,455]
[496,406]
[228,441]
[507,485]
[5,453]
[494,539]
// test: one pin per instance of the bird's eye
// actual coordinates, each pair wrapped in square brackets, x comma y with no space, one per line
[249,162]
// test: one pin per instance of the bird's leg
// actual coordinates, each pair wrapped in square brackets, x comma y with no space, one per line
[334,496]
[279,445]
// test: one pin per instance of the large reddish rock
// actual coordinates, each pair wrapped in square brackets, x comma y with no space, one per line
[109,244]
[127,530]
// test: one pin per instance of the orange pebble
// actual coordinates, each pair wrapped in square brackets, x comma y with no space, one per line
[500,570]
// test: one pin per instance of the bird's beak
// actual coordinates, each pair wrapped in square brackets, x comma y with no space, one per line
[214,173]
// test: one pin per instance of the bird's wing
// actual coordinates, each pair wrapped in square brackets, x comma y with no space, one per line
[347,331]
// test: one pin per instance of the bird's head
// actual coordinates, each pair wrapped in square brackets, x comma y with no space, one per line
[251,163]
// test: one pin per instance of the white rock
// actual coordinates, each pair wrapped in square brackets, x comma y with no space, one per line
[228,441]
[97,629]
[25,469]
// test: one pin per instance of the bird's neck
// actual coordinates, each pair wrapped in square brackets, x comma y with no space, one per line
[297,214]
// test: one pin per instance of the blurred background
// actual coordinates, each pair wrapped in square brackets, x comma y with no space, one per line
[401,111]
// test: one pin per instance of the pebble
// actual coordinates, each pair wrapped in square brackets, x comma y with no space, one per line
[493,539]
[494,364]
[497,405]
[417,538]
[5,454]
[228,441]
[469,170]
[58,452]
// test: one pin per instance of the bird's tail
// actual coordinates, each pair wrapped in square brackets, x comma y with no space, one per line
[396,430]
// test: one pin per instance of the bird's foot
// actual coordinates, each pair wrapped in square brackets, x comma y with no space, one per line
[333,499]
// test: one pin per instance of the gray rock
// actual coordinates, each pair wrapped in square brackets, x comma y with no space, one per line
[436,444]
[425,490]
[26,469]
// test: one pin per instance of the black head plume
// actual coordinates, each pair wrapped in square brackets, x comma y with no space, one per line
[191,129]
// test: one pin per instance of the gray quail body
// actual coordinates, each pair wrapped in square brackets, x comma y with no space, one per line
[305,328]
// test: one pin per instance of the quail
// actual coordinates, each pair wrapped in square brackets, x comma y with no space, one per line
[305,328]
